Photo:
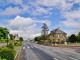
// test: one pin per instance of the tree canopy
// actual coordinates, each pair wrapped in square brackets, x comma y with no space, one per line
[21,38]
[11,36]
[73,38]
[78,37]
[3,32]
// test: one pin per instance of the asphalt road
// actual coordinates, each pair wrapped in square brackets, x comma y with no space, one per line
[33,51]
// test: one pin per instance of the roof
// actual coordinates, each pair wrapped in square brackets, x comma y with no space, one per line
[57,31]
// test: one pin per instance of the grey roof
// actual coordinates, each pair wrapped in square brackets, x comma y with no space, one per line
[57,31]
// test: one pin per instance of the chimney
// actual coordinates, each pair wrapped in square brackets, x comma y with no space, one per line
[58,28]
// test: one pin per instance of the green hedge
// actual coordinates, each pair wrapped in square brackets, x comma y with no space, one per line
[6,53]
[18,43]
[11,46]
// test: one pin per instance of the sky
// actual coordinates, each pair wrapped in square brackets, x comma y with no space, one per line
[26,17]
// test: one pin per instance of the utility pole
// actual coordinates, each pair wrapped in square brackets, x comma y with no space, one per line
[45,30]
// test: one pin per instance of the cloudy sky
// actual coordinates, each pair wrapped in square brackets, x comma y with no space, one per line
[25,17]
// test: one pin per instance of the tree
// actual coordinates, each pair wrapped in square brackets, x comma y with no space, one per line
[11,36]
[44,31]
[73,38]
[4,32]
[21,39]
[36,39]
[78,37]
[39,38]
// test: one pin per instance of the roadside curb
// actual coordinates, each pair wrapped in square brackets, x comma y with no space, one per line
[17,57]
[78,51]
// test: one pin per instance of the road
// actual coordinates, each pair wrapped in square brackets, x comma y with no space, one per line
[33,51]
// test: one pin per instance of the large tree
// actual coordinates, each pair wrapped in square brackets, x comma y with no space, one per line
[21,38]
[3,32]
[44,30]
[78,37]
[39,38]
[73,38]
[11,36]
[36,38]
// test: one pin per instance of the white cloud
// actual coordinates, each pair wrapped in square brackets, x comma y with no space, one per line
[11,11]
[6,2]
[19,7]
[25,27]
[41,7]
[20,22]
[61,4]
[72,20]
[36,7]
[76,1]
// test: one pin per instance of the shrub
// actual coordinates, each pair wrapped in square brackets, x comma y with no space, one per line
[18,43]
[11,46]
[62,42]
[7,53]
[55,42]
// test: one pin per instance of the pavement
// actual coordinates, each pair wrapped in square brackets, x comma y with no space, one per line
[3,44]
[18,50]
[34,51]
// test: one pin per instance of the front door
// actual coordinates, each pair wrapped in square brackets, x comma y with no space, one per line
[58,40]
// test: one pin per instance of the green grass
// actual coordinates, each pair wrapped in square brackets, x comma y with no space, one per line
[2,40]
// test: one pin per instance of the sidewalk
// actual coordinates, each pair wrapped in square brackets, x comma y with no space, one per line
[3,44]
[18,50]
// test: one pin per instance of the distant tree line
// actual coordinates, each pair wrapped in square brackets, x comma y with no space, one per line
[74,38]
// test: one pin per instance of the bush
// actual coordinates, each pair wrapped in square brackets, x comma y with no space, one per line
[18,43]
[7,53]
[11,46]
[55,42]
[62,42]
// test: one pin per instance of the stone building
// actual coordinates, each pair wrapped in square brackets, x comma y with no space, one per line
[57,35]
[16,37]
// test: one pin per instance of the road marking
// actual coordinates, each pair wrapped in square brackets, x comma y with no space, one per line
[28,47]
[23,47]
[55,59]
[72,58]
[32,47]
[35,46]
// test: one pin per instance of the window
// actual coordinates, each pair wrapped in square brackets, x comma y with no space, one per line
[53,35]
[58,35]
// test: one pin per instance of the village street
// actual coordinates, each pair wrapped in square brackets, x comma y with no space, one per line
[32,51]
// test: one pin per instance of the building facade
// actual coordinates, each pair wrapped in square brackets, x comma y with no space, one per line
[16,37]
[57,35]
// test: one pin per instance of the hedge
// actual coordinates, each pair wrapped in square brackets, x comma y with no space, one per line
[11,46]
[6,53]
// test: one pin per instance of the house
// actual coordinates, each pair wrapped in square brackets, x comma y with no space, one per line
[57,35]
[16,37]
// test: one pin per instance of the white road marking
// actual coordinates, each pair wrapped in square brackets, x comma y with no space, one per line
[72,58]
[32,47]
[23,47]
[55,58]
[35,46]
[28,47]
